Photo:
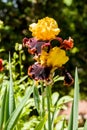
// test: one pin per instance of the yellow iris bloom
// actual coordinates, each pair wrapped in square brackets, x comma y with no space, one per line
[55,58]
[45,29]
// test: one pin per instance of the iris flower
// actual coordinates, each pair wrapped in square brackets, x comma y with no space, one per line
[48,58]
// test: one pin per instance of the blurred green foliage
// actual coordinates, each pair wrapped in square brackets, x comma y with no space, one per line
[71,15]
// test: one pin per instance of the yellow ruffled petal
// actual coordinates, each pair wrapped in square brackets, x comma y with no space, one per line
[45,29]
[57,57]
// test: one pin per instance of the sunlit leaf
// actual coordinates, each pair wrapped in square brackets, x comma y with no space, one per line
[22,79]
[76,101]
[41,124]
[36,97]
[6,109]
[73,122]
[81,128]
[11,93]
[64,99]
[55,97]
[58,78]
[15,115]
[68,2]
[60,125]
[2,108]
[85,126]
[70,122]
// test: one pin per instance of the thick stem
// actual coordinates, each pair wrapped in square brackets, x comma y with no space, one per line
[42,90]
[48,92]
[43,105]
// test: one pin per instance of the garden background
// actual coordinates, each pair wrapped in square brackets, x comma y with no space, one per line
[17,15]
[71,16]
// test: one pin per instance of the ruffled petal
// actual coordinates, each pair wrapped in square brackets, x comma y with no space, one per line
[45,29]
[35,46]
[39,72]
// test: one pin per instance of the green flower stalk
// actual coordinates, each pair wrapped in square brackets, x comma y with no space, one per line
[48,92]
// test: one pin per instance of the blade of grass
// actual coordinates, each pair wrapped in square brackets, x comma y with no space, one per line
[11,93]
[2,109]
[73,122]
[15,115]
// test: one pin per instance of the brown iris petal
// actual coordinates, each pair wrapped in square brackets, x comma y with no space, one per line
[39,72]
[35,46]
[67,44]
[30,44]
[68,80]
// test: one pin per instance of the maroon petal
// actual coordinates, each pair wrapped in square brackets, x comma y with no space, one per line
[68,80]
[38,72]
[35,46]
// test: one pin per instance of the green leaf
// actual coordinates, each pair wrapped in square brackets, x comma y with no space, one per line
[60,125]
[76,102]
[70,124]
[15,115]
[22,79]
[85,126]
[68,2]
[64,99]
[81,128]
[41,124]
[2,108]
[6,112]
[55,97]
[58,78]
[1,50]
[11,93]
[73,122]
[36,97]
